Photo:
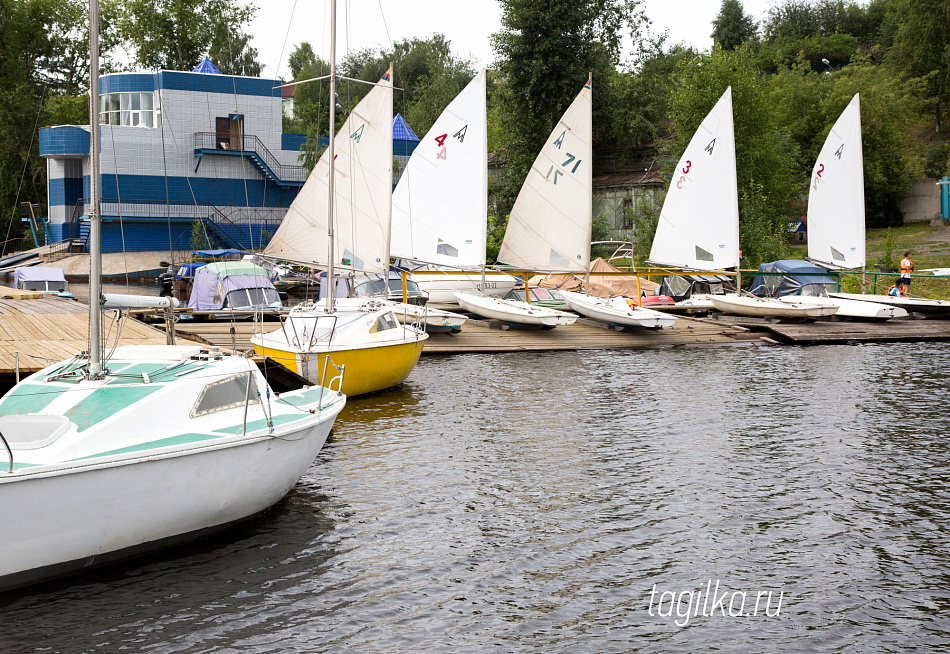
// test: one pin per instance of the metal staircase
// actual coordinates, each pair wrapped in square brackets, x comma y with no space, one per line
[254,150]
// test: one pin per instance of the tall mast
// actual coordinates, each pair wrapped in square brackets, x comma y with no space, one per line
[95,249]
[332,131]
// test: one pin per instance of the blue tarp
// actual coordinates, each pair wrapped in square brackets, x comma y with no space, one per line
[206,67]
[792,283]
[402,131]
[230,252]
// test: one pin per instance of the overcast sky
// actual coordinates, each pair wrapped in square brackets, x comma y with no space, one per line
[281,25]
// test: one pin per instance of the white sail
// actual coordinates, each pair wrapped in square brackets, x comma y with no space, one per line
[699,223]
[440,206]
[836,195]
[549,225]
[363,206]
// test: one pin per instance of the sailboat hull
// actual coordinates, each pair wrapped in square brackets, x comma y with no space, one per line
[441,287]
[86,516]
[909,304]
[849,308]
[768,308]
[514,312]
[616,311]
[367,369]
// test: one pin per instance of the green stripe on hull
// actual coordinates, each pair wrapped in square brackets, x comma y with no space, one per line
[311,396]
[181,439]
[29,398]
[106,402]
[254,425]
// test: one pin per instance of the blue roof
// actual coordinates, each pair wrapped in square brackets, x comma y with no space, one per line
[402,131]
[206,67]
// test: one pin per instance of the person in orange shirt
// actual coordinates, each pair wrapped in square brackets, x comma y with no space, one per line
[907,267]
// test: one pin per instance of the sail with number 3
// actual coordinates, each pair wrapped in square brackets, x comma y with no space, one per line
[550,222]
[836,195]
[699,223]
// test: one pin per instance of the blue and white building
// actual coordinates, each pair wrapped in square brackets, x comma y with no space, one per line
[177,147]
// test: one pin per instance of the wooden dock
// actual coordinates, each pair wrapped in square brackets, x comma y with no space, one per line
[830,332]
[487,336]
[38,331]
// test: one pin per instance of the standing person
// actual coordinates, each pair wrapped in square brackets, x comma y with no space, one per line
[907,267]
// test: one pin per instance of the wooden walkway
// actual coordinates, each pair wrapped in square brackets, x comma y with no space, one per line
[486,336]
[40,331]
[828,332]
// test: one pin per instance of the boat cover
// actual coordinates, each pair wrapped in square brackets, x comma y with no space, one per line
[793,283]
[606,286]
[214,281]
[37,274]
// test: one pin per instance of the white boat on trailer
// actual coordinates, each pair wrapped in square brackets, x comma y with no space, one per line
[617,311]
[429,318]
[769,307]
[849,308]
[511,311]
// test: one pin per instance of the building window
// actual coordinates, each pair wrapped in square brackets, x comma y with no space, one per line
[627,219]
[131,109]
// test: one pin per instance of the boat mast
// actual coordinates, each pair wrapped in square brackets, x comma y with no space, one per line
[331,287]
[95,249]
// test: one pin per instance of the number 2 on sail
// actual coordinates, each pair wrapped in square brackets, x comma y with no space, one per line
[821,169]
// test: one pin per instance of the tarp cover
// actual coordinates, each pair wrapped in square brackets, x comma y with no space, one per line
[606,286]
[230,252]
[791,283]
[230,275]
[37,274]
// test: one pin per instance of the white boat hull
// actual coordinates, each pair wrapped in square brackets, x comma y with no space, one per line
[909,304]
[849,308]
[511,311]
[616,311]
[768,308]
[88,515]
[428,318]
[441,286]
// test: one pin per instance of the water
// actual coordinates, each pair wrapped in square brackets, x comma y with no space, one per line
[532,502]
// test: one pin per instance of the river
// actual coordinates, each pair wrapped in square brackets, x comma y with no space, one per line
[575,502]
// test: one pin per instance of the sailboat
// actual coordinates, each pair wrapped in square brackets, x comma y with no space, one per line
[698,228]
[549,225]
[110,456]
[341,220]
[836,220]
[440,205]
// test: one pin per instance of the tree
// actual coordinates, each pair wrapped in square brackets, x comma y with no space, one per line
[732,27]
[922,50]
[175,34]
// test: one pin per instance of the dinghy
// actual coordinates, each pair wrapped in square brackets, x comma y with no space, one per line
[848,308]
[429,318]
[616,310]
[769,308]
[698,228]
[514,312]
[935,308]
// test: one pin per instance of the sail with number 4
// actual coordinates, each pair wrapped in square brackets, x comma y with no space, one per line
[836,195]
[699,223]
[362,198]
[440,206]
[550,222]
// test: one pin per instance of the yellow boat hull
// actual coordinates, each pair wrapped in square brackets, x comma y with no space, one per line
[367,369]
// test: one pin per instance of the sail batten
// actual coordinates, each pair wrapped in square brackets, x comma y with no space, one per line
[836,221]
[550,222]
[698,228]
[362,204]
[440,206]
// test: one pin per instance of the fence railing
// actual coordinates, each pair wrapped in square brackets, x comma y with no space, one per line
[246,144]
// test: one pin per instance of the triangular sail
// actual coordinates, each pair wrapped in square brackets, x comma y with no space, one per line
[699,223]
[550,222]
[440,206]
[836,195]
[364,155]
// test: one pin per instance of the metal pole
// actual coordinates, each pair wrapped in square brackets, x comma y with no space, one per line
[864,272]
[247,399]
[330,153]
[95,236]
[16,355]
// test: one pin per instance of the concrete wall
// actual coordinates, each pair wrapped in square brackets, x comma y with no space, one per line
[922,202]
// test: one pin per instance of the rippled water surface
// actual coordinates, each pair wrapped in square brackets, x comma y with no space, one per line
[532,502]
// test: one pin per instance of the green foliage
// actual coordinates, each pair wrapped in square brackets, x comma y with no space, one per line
[645,219]
[175,34]
[887,260]
[766,158]
[733,27]
[199,237]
